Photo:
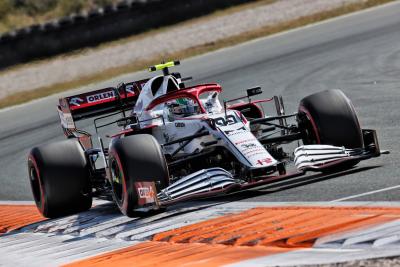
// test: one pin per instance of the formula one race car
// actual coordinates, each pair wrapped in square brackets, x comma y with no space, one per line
[177,143]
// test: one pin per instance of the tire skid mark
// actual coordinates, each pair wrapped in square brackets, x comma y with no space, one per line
[278,231]
[226,237]
[252,225]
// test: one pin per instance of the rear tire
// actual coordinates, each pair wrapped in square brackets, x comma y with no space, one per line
[135,159]
[59,177]
[328,117]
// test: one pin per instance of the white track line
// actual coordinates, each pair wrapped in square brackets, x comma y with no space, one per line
[16,202]
[366,194]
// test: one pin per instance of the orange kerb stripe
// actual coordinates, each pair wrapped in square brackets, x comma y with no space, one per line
[172,254]
[253,233]
[16,216]
[285,226]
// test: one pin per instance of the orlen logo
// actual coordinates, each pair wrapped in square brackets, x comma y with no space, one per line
[101,96]
[146,192]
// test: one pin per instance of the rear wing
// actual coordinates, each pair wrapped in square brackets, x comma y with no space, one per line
[98,102]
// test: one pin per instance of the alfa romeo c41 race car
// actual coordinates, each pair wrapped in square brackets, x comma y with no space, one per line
[177,143]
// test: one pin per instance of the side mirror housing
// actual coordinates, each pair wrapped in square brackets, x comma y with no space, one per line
[254,91]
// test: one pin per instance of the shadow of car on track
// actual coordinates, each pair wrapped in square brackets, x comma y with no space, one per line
[288,184]
[105,220]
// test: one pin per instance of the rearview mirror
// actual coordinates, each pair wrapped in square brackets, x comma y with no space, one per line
[254,91]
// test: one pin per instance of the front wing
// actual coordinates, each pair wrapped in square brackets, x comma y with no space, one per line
[217,181]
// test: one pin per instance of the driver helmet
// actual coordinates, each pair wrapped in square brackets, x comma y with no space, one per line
[181,108]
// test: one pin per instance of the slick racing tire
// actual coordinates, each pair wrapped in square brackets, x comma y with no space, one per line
[137,168]
[59,178]
[328,117]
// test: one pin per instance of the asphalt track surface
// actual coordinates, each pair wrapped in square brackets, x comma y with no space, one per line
[359,54]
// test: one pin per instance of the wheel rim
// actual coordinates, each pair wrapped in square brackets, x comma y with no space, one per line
[117,182]
[310,135]
[35,183]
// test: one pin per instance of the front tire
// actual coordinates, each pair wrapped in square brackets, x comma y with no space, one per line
[328,117]
[59,178]
[136,160]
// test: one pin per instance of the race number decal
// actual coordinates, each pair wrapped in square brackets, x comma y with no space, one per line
[244,141]
[229,120]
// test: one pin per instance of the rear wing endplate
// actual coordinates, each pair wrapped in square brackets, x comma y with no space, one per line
[98,102]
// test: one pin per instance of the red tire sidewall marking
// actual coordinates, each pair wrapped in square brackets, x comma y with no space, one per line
[314,126]
[114,155]
[42,191]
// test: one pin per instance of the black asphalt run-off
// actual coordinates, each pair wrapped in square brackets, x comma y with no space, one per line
[359,54]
